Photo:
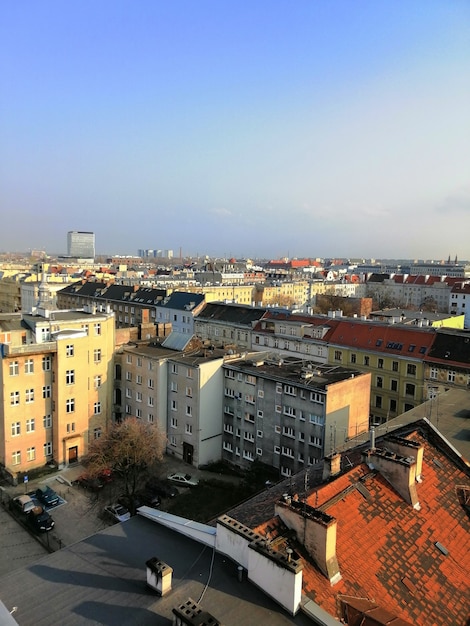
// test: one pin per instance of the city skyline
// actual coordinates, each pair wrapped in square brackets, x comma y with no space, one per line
[262,131]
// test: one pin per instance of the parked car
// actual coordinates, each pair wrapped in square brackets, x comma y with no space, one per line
[117,512]
[130,502]
[23,504]
[186,480]
[93,484]
[47,496]
[40,520]
[161,488]
[149,498]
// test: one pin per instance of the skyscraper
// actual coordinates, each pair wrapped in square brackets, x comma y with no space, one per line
[81,244]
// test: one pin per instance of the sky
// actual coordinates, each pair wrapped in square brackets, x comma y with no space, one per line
[260,129]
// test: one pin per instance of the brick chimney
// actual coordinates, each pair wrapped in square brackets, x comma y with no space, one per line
[331,466]
[159,576]
[406,448]
[316,531]
[398,470]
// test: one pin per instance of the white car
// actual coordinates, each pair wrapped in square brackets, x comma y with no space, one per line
[118,512]
[183,479]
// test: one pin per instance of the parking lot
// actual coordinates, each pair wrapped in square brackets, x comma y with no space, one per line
[79,514]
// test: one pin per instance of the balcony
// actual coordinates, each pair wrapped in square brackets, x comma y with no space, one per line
[29,348]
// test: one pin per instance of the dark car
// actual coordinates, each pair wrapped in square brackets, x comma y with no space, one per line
[47,496]
[162,488]
[87,482]
[40,520]
[149,498]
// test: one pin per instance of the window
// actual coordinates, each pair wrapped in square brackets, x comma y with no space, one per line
[409,389]
[47,421]
[46,363]
[290,410]
[315,441]
[150,383]
[249,417]
[378,402]
[174,422]
[139,361]
[433,373]
[14,397]
[394,366]
[189,372]
[316,419]
[97,409]
[16,458]
[277,429]
[287,452]
[259,434]
[290,390]
[393,405]
[138,413]
[97,381]
[366,360]
[138,379]
[97,328]
[31,453]
[394,385]
[189,392]
[277,450]
[411,369]
[97,432]
[128,409]
[174,386]
[230,374]
[15,429]
[29,395]
[247,436]
[29,366]
[278,387]
[380,382]
[150,366]
[128,393]
[188,429]
[259,413]
[174,406]
[128,375]
[451,376]
[14,368]
[248,455]
[189,410]
[278,408]
[151,401]
[150,418]
[97,355]
[71,427]
[260,393]
[48,448]
[70,405]
[338,355]
[288,431]
[251,380]
[129,358]
[69,350]
[46,391]
[380,364]
[353,358]
[174,368]
[250,398]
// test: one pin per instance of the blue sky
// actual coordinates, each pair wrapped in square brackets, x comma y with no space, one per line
[259,129]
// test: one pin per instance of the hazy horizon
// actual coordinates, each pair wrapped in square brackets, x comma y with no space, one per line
[307,129]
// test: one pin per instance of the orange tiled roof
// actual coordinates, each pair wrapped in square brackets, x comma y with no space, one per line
[386,549]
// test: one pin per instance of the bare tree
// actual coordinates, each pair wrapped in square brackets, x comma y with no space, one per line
[128,448]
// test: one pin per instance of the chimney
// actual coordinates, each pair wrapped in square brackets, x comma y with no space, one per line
[316,531]
[399,471]
[407,448]
[331,466]
[159,576]
[192,614]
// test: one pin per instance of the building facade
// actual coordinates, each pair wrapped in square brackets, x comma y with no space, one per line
[81,244]
[56,374]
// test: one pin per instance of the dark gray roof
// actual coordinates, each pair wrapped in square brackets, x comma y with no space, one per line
[451,347]
[102,580]
[182,300]
[231,313]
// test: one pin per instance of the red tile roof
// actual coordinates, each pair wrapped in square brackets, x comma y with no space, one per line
[386,549]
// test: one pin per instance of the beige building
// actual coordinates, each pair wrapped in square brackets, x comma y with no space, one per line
[56,378]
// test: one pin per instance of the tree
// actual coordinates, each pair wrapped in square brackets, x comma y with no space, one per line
[128,449]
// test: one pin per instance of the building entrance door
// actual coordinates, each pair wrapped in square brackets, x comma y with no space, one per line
[73,455]
[188,451]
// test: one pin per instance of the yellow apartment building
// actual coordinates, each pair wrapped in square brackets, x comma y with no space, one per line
[56,381]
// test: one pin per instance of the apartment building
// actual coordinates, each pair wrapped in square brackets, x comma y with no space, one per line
[140,383]
[195,408]
[459,301]
[289,414]
[393,354]
[56,375]
[447,363]
[179,309]
[300,336]
[227,324]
